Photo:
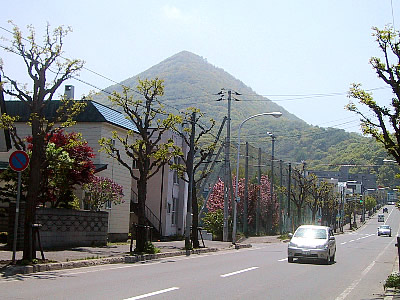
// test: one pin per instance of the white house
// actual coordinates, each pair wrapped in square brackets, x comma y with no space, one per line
[95,122]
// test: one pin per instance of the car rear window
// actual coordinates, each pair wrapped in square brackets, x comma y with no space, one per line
[312,233]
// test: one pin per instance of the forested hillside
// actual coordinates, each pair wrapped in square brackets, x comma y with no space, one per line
[191,81]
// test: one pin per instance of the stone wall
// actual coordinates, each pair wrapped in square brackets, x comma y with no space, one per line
[64,228]
[3,219]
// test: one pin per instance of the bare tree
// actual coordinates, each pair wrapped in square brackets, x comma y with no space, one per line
[319,194]
[300,190]
[47,70]
[203,147]
[143,146]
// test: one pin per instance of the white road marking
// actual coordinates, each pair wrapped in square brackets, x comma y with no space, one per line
[238,272]
[153,293]
[360,238]
[283,259]
[347,291]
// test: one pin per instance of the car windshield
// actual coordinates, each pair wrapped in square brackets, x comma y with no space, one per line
[311,233]
[385,227]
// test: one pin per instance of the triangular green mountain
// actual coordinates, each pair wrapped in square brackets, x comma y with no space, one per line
[191,81]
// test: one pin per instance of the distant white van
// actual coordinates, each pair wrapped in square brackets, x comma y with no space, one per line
[381,218]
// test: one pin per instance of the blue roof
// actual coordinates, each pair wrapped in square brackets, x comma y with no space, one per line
[114,117]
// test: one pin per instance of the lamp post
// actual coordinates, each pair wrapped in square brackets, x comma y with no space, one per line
[269,216]
[274,114]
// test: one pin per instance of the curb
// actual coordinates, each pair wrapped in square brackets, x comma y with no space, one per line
[14,270]
[240,246]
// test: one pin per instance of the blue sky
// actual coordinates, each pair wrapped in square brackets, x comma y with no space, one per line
[301,54]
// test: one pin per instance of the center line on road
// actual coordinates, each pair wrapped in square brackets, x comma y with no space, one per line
[153,293]
[238,272]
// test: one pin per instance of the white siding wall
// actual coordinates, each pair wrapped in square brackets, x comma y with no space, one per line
[92,132]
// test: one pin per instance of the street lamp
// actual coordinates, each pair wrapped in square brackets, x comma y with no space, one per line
[269,217]
[274,114]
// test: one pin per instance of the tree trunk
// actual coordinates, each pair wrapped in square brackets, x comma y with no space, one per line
[33,190]
[314,212]
[141,236]
[195,220]
[298,216]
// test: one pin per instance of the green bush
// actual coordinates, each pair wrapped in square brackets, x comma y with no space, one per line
[393,281]
[149,248]
[214,223]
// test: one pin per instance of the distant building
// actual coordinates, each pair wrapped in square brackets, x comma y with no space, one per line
[366,180]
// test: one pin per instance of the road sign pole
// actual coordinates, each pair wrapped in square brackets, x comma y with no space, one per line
[19,161]
[16,217]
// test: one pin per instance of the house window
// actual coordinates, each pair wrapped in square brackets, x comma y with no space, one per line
[134,164]
[107,204]
[174,212]
[176,177]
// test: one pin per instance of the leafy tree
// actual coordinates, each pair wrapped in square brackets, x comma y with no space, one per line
[48,70]
[144,146]
[69,163]
[202,151]
[384,125]
[370,202]
[100,191]
[329,205]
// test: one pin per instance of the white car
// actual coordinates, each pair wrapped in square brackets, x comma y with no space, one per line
[384,230]
[312,242]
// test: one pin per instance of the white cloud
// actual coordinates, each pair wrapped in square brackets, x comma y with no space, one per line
[174,13]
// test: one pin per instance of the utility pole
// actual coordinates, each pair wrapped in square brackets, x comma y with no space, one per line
[227,170]
[259,194]
[188,245]
[289,191]
[227,176]
[269,215]
[280,199]
[246,191]
[225,232]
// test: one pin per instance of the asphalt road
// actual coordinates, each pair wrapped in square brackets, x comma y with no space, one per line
[363,262]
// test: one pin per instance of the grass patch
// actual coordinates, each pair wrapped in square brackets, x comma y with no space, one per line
[118,243]
[284,236]
[85,258]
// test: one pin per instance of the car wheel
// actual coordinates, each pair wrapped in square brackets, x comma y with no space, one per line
[326,260]
[379,234]
[290,259]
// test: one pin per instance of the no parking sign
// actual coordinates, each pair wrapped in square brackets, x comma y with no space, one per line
[19,160]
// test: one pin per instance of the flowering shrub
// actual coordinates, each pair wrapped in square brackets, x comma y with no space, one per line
[215,203]
[102,190]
